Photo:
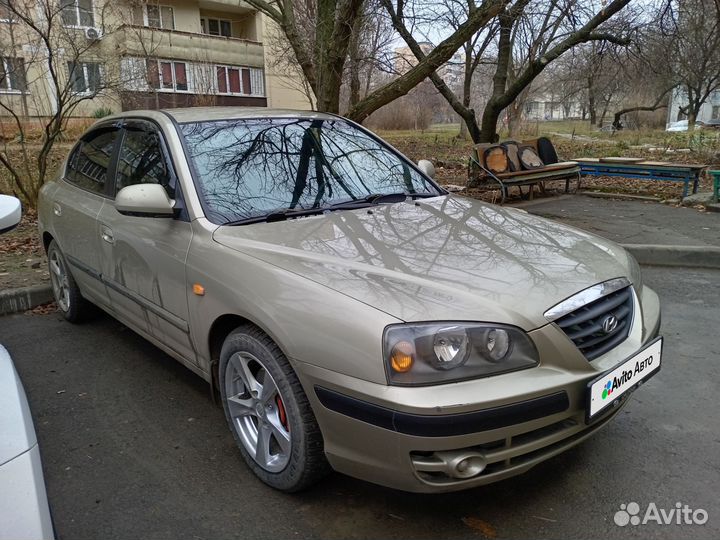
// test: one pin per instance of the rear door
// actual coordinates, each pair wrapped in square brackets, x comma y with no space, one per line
[77,203]
[143,258]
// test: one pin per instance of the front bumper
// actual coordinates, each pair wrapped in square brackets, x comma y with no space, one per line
[457,436]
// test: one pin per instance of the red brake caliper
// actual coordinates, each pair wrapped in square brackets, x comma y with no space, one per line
[281,413]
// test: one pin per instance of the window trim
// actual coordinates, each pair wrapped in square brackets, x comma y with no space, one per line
[205,26]
[227,69]
[10,90]
[181,212]
[174,89]
[76,6]
[164,148]
[146,16]
[249,69]
[114,124]
[86,79]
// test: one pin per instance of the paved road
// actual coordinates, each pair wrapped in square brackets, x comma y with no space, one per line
[133,447]
[632,222]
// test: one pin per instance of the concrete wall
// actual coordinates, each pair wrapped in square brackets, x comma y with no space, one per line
[283,82]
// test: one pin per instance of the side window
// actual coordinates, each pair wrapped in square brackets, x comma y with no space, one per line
[142,160]
[88,165]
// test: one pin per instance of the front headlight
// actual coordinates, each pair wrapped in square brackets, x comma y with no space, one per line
[436,353]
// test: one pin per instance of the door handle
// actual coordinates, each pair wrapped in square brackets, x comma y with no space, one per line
[107,235]
[57,209]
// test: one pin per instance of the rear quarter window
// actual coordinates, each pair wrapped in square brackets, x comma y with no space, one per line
[89,162]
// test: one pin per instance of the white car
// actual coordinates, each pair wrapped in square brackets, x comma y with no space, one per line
[24,511]
[682,125]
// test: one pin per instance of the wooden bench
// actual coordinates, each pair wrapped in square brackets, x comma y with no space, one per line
[645,170]
[479,176]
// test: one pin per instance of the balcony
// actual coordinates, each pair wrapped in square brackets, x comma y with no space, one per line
[144,42]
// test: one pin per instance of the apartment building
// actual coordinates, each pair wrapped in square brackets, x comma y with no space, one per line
[129,54]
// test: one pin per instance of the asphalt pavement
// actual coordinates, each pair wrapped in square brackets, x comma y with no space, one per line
[632,221]
[133,447]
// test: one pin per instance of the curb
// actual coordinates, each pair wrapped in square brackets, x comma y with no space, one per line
[611,195]
[688,256]
[14,300]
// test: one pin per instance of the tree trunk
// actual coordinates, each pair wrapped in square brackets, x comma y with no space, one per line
[478,18]
[354,58]
[592,107]
[488,127]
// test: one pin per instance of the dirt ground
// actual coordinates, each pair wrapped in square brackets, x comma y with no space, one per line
[22,258]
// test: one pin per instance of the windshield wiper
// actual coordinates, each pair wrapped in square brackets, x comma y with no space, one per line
[281,215]
[372,199]
[381,198]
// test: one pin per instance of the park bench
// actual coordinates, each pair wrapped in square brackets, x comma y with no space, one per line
[642,169]
[549,169]
[716,185]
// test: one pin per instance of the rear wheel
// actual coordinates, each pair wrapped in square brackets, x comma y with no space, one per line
[68,298]
[269,413]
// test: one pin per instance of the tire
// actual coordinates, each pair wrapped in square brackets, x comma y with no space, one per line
[68,298]
[266,407]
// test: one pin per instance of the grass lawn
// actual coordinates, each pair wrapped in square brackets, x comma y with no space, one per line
[442,145]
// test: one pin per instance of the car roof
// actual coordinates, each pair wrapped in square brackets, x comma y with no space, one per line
[198,114]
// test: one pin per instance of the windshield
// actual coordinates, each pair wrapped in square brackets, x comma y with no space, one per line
[251,168]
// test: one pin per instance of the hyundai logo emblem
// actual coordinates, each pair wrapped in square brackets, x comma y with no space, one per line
[610,324]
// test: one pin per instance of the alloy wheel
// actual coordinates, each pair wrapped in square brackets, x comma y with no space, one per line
[257,411]
[59,280]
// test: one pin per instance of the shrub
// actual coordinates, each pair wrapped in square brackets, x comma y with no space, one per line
[102,112]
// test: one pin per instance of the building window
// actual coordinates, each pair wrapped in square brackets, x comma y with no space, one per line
[157,16]
[234,80]
[12,75]
[77,12]
[85,77]
[216,27]
[168,75]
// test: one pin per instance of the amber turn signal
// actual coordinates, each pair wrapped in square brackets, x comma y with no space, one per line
[198,289]
[401,357]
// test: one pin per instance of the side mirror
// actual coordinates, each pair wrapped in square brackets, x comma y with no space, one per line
[427,167]
[10,213]
[144,200]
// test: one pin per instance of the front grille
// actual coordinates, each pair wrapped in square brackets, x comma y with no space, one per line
[584,326]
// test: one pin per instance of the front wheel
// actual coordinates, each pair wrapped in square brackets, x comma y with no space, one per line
[269,413]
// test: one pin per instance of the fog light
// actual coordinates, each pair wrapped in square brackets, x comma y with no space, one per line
[401,358]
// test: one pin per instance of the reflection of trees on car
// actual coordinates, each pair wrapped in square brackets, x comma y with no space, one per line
[248,168]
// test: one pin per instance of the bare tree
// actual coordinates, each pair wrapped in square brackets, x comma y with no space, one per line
[694,26]
[368,51]
[64,67]
[541,32]
[322,53]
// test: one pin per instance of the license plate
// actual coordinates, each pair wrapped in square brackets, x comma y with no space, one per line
[607,389]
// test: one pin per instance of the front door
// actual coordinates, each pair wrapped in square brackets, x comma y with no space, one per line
[144,257]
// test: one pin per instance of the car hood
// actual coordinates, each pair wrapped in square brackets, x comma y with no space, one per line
[445,258]
[18,433]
